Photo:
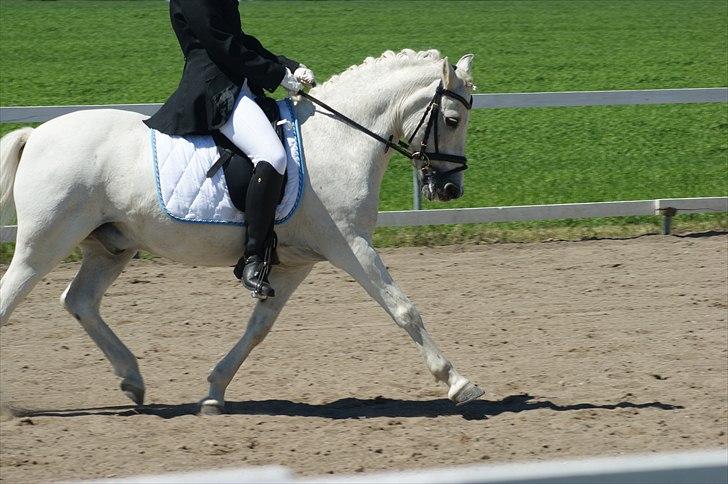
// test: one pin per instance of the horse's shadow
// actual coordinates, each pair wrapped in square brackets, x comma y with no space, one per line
[351,408]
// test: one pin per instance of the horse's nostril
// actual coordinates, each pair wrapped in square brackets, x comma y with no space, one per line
[452,190]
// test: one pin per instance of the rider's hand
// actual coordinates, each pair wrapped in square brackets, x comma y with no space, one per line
[290,83]
[305,76]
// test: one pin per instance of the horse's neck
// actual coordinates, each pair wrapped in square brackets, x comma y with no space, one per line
[374,106]
[355,163]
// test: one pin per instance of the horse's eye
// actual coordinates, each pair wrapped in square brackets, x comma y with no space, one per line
[452,121]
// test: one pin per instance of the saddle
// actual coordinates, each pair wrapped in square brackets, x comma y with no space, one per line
[236,165]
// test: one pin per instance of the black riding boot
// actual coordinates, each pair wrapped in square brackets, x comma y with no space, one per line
[261,200]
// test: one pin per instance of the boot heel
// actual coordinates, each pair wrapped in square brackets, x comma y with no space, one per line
[254,277]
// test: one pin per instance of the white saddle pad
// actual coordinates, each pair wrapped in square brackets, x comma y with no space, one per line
[186,194]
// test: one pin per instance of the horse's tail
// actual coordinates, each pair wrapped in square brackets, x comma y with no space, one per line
[11,149]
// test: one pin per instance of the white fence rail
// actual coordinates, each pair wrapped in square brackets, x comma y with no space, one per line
[601,98]
[27,114]
[667,207]
[39,114]
[708,467]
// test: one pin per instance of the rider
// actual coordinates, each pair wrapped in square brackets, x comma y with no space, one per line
[225,69]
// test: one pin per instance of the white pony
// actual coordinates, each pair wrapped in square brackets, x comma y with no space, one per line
[86,179]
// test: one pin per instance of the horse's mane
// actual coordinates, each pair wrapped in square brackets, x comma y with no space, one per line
[403,57]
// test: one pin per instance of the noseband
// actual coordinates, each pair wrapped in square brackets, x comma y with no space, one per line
[434,108]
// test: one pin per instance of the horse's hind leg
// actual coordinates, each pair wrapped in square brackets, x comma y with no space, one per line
[37,251]
[285,280]
[82,299]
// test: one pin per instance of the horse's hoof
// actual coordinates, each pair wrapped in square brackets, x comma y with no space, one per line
[469,393]
[212,407]
[134,391]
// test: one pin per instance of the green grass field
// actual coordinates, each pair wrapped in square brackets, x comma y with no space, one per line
[75,52]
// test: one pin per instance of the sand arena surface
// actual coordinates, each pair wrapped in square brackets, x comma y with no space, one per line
[583,348]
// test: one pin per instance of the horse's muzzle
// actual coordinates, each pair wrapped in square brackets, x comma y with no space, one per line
[450,192]
[445,193]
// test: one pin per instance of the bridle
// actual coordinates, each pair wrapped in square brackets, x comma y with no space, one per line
[434,108]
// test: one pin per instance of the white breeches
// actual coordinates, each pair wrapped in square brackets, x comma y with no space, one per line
[249,129]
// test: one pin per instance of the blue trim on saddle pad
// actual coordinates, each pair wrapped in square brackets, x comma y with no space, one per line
[301,155]
[301,172]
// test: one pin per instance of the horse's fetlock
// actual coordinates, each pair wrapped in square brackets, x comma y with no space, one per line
[215,376]
[258,338]
[440,368]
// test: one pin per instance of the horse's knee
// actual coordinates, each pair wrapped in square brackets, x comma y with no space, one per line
[407,316]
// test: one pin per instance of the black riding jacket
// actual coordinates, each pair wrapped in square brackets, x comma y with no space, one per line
[219,57]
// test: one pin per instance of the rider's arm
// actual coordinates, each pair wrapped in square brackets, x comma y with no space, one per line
[226,47]
[254,44]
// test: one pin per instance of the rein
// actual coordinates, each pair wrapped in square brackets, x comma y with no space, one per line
[433,109]
[401,147]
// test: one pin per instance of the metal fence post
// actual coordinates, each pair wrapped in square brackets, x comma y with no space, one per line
[667,214]
[416,191]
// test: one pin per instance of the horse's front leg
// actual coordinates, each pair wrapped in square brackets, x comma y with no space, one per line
[285,280]
[365,265]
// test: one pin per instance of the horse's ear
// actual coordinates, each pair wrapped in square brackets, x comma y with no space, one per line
[448,74]
[465,68]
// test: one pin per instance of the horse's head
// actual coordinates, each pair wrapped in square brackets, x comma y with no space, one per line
[439,133]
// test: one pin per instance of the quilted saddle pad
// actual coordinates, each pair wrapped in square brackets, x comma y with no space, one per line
[186,194]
